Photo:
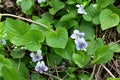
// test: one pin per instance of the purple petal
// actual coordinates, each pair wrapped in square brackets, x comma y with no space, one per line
[81,44]
[39,52]
[3,41]
[41,71]
[45,68]
[31,54]
[37,68]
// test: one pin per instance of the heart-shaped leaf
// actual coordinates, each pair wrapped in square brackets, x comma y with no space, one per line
[58,38]
[108,19]
[16,29]
[33,39]
[102,55]
[81,59]
[56,6]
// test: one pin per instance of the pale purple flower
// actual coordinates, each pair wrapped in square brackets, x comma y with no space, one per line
[37,56]
[3,41]
[81,9]
[81,44]
[76,34]
[41,67]
[40,1]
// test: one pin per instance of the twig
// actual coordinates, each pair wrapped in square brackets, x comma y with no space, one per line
[93,72]
[53,76]
[98,72]
[108,71]
[25,19]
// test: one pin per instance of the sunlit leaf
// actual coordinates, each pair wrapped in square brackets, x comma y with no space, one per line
[58,38]
[108,19]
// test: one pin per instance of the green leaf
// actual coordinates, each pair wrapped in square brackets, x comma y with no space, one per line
[16,29]
[108,19]
[47,16]
[17,53]
[114,9]
[71,15]
[113,78]
[93,45]
[81,59]
[2,51]
[67,52]
[54,59]
[26,6]
[118,28]
[58,38]
[56,6]
[4,62]
[114,47]
[35,76]
[2,30]
[67,24]
[10,74]
[79,1]
[92,14]
[84,77]
[71,69]
[43,21]
[34,37]
[104,3]
[71,2]
[23,71]
[102,55]
[88,29]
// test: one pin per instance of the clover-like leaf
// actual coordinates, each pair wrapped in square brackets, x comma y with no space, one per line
[58,38]
[108,19]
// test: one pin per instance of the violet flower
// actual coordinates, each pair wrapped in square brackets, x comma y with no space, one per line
[3,41]
[76,34]
[40,1]
[40,67]
[37,56]
[80,9]
[81,44]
